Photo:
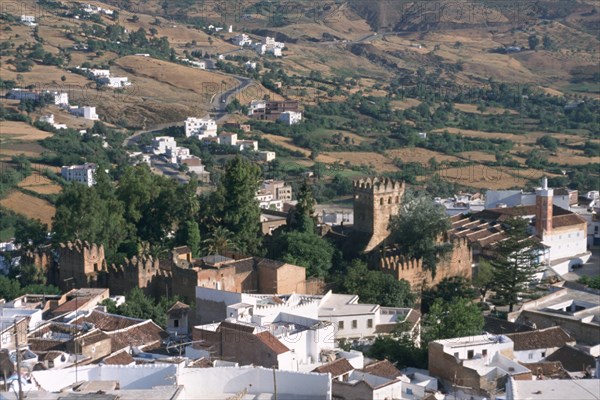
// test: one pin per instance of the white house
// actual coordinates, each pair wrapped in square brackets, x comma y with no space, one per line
[50,120]
[228,139]
[58,98]
[200,127]
[552,389]
[161,144]
[115,82]
[80,173]
[242,40]
[174,154]
[270,46]
[197,64]
[98,73]
[28,20]
[290,117]
[250,65]
[251,145]
[267,156]
[256,106]
[85,112]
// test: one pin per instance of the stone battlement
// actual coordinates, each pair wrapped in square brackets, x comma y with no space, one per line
[378,185]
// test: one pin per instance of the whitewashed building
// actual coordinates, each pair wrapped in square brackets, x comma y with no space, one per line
[85,112]
[290,117]
[161,144]
[200,127]
[80,173]
[242,40]
[28,20]
[116,82]
[50,120]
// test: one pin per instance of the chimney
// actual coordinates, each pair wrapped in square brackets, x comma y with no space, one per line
[543,209]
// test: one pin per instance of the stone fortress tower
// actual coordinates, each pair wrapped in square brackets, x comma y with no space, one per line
[376,201]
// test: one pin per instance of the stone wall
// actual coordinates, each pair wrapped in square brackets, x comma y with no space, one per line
[457,263]
[376,201]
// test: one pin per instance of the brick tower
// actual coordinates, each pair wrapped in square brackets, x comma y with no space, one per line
[376,200]
[543,209]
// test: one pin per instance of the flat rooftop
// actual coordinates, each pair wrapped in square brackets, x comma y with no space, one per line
[580,389]
[345,304]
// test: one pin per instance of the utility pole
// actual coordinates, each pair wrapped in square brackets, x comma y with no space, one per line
[18,360]
[274,384]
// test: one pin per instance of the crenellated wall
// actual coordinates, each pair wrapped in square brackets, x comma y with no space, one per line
[457,263]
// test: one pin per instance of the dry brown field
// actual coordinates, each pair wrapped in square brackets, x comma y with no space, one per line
[20,130]
[29,206]
[418,155]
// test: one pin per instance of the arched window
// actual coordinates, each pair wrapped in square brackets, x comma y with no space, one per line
[390,200]
[381,201]
[397,199]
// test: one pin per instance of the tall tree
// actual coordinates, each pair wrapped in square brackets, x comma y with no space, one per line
[376,287]
[306,249]
[220,240]
[93,214]
[457,318]
[236,204]
[188,234]
[419,228]
[484,277]
[515,261]
[301,218]
[448,289]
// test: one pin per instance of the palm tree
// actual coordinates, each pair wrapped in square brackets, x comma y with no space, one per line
[219,241]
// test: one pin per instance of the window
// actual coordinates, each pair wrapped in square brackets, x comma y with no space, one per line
[543,354]
[484,352]
[409,391]
[470,354]
[369,323]
[381,201]
[341,325]
[176,323]
[456,355]
[354,324]
[531,356]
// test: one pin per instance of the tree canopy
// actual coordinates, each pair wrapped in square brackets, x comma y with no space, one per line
[418,228]
[457,318]
[515,262]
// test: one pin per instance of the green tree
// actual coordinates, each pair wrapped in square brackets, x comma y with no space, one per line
[29,234]
[399,350]
[306,249]
[418,229]
[138,305]
[189,235]
[447,290]
[457,318]
[533,41]
[515,262]
[548,142]
[236,205]
[301,217]
[91,213]
[376,287]
[547,42]
[484,277]
[220,240]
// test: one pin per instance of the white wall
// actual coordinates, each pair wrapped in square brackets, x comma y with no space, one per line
[206,381]
[532,356]
[360,331]
[564,244]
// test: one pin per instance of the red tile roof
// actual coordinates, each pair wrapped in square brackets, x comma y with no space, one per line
[272,342]
[383,368]
[554,336]
[107,322]
[145,335]
[573,359]
[336,368]
[120,358]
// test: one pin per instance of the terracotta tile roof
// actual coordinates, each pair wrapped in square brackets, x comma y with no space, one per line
[37,345]
[548,370]
[567,220]
[93,337]
[146,335]
[265,262]
[70,306]
[120,358]
[179,306]
[498,326]
[572,359]
[540,339]
[272,342]
[107,322]
[383,368]
[335,368]
[386,328]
